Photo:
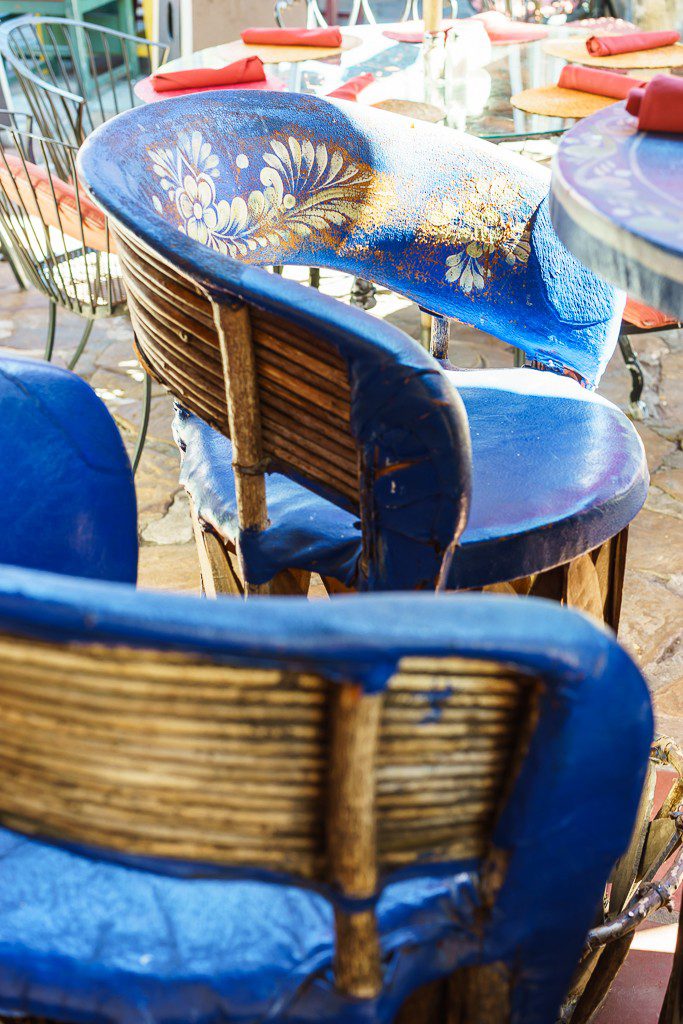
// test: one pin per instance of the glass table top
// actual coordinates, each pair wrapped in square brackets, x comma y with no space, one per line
[478,103]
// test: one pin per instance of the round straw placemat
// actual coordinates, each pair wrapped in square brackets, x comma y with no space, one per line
[418,111]
[552,101]
[219,56]
[574,50]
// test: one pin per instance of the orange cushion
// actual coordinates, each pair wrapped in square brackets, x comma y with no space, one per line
[639,315]
[43,195]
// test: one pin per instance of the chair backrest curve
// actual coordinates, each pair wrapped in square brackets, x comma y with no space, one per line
[355,411]
[454,223]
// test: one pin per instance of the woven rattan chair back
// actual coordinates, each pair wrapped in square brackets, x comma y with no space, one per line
[75,75]
[296,397]
[161,755]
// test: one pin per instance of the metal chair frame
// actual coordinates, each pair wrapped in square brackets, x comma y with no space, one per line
[361,8]
[66,270]
[637,408]
[74,75]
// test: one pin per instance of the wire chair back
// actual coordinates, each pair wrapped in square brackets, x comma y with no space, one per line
[364,10]
[45,225]
[74,75]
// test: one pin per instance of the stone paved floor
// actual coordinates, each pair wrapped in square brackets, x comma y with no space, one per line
[652,617]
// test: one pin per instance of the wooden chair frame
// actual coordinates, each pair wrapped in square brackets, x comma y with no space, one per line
[365,702]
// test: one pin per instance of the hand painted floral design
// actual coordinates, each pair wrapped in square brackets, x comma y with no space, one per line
[306,189]
[480,225]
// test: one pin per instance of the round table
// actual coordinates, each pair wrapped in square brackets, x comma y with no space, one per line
[480,105]
[617,204]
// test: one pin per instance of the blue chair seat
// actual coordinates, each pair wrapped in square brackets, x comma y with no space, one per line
[78,934]
[557,470]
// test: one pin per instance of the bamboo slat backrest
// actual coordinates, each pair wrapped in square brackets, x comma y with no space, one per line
[331,744]
[302,392]
[166,755]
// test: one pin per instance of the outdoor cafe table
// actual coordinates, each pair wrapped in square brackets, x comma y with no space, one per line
[481,105]
[617,204]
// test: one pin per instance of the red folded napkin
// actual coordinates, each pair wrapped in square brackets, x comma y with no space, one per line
[292,37]
[349,90]
[601,83]
[659,105]
[607,46]
[501,29]
[248,69]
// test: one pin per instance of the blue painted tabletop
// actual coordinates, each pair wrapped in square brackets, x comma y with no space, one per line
[617,204]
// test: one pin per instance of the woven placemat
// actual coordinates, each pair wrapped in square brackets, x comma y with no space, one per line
[574,51]
[418,111]
[552,101]
[218,56]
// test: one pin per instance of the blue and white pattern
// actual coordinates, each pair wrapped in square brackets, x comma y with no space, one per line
[455,224]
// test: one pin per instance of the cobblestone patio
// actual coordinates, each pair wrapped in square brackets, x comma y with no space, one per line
[652,615]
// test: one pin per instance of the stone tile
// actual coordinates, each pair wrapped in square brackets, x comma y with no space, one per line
[651,628]
[169,567]
[657,448]
[654,545]
[156,481]
[174,527]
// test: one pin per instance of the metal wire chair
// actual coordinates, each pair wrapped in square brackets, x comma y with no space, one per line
[360,8]
[44,224]
[75,75]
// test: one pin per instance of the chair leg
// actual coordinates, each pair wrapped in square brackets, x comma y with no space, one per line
[440,337]
[144,423]
[7,255]
[126,22]
[217,571]
[591,583]
[81,345]
[363,293]
[220,570]
[51,329]
[637,407]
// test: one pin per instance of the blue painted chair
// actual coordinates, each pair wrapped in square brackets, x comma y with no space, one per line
[69,502]
[287,811]
[362,432]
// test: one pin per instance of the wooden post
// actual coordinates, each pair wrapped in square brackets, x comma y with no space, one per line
[351,836]
[433,13]
[440,337]
[239,370]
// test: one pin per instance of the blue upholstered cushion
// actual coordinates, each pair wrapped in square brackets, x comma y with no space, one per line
[557,470]
[90,939]
[65,468]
